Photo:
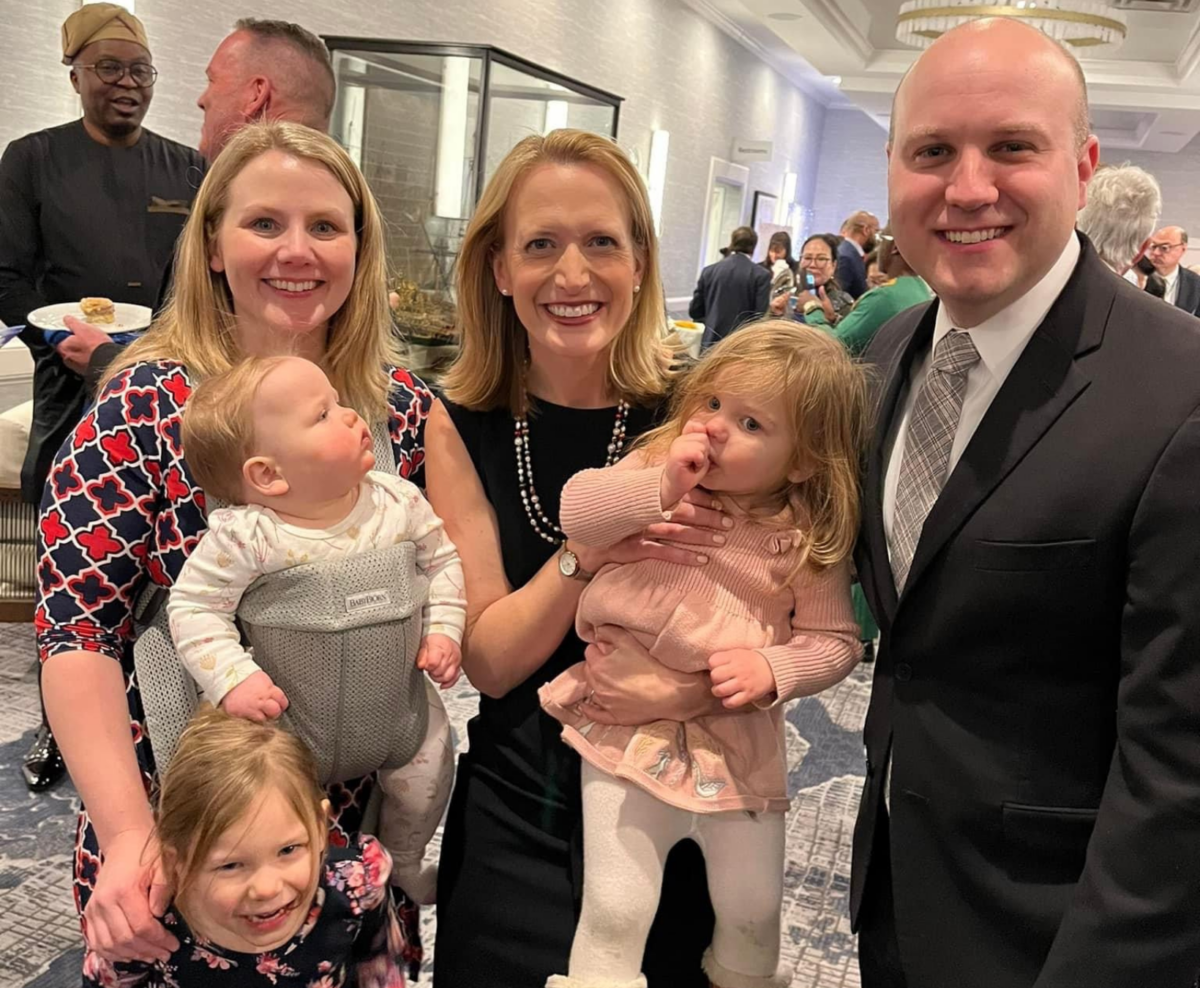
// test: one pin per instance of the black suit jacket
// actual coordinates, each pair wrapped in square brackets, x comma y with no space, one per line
[1038,681]
[1188,296]
[732,291]
[851,271]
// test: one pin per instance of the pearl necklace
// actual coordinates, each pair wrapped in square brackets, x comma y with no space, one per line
[533,507]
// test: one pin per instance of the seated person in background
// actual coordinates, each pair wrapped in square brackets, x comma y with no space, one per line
[259,894]
[900,291]
[271,438]
[817,288]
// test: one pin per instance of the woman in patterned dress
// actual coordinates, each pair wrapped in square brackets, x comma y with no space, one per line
[283,253]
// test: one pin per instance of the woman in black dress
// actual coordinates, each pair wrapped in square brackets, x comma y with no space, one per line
[561,367]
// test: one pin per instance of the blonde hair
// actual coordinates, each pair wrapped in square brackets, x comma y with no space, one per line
[825,394]
[490,370]
[217,428]
[221,765]
[197,327]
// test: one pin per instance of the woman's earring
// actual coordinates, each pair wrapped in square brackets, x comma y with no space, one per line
[503,291]
[636,289]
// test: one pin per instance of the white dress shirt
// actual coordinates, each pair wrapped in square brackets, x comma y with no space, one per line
[1000,341]
[1172,281]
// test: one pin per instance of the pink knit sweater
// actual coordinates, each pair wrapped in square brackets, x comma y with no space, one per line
[680,615]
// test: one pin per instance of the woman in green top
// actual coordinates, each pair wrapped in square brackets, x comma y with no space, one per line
[901,291]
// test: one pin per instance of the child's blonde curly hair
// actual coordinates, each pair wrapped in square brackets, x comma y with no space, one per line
[825,393]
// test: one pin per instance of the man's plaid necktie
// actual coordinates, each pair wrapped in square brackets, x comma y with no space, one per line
[931,431]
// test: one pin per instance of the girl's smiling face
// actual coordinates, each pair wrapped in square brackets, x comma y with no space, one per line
[254,891]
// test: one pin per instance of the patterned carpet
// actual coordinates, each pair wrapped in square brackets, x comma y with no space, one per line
[39,935]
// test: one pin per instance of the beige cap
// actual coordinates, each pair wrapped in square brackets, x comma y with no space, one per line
[100,22]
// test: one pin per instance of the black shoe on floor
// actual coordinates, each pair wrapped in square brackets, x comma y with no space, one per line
[43,764]
[868,651]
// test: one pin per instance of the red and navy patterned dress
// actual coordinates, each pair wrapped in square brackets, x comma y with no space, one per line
[120,506]
[350,939]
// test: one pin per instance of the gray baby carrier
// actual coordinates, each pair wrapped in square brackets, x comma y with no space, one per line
[339,637]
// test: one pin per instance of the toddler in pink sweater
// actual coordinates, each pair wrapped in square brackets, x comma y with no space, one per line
[770,423]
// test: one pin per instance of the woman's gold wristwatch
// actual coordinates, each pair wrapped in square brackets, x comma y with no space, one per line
[568,565]
[811,306]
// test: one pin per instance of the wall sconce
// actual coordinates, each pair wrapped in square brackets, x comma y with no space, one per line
[656,174]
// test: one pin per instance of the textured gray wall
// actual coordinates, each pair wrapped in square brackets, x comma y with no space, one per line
[852,171]
[676,71]
[33,79]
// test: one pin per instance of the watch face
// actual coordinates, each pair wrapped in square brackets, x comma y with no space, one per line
[568,563]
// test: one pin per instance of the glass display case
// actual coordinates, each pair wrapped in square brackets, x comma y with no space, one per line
[428,124]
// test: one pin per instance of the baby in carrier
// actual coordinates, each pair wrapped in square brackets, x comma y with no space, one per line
[314,536]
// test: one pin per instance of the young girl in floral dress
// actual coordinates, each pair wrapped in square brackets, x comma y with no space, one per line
[259,897]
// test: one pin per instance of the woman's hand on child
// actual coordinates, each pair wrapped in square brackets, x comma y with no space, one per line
[441,657]
[131,892]
[687,463]
[256,698]
[696,520]
[740,676]
[630,687]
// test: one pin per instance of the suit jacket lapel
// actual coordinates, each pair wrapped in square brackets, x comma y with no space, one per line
[1041,386]
[894,373]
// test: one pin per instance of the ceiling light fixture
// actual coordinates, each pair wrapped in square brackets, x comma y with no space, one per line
[1080,24]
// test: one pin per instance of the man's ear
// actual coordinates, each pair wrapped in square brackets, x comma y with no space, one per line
[263,477]
[258,98]
[75,78]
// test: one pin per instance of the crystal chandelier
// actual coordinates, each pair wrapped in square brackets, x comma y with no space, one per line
[1084,25]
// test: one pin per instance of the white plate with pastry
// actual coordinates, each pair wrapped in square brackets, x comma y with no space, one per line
[107,316]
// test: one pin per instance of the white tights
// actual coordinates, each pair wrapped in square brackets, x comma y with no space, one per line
[414,799]
[626,838]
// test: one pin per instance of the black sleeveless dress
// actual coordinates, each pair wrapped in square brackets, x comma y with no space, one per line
[510,877]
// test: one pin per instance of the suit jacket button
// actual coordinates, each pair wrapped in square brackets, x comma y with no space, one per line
[903,672]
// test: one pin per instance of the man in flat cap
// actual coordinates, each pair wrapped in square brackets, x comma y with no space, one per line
[89,208]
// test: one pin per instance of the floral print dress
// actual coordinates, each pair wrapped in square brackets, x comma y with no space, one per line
[351,939]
